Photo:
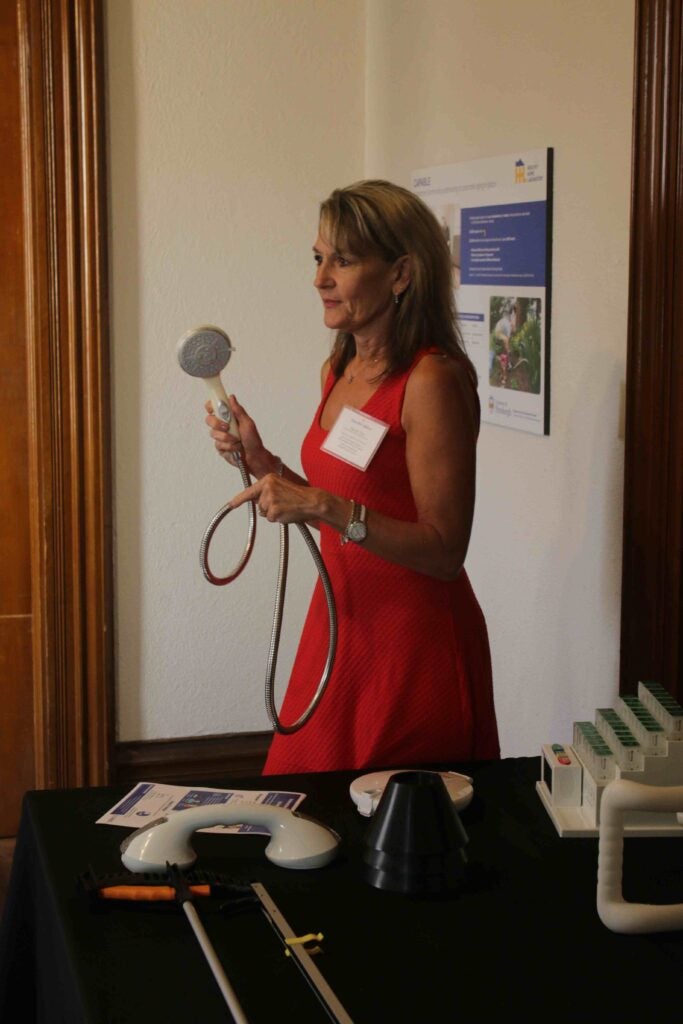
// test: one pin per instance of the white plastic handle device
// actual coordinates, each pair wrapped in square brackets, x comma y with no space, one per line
[615,912]
[204,352]
[296,841]
[221,405]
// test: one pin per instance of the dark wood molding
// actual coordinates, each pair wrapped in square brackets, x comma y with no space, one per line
[195,759]
[652,605]
[62,93]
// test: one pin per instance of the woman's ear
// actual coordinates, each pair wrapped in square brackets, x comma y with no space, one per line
[403,271]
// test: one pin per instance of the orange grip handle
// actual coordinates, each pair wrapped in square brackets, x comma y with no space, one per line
[148,892]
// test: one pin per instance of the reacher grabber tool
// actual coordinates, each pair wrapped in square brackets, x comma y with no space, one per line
[301,957]
[204,352]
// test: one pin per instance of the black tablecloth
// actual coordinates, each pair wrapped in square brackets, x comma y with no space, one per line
[521,937]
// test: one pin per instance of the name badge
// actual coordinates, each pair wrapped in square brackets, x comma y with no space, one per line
[355,437]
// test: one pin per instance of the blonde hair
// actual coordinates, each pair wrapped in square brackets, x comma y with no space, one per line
[379,218]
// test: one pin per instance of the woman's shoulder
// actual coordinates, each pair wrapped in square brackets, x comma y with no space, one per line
[440,376]
[440,369]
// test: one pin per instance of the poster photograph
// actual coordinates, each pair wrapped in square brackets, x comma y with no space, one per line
[496,215]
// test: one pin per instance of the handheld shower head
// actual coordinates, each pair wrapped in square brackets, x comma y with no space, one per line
[204,352]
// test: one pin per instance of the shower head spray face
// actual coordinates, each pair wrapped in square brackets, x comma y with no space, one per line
[204,352]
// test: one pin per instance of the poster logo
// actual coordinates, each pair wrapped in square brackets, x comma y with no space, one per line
[520,172]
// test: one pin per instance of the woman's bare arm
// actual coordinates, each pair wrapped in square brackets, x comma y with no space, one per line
[440,420]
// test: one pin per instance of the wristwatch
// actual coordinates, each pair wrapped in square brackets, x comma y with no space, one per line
[356,528]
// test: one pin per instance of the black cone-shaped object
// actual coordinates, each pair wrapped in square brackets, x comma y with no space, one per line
[415,842]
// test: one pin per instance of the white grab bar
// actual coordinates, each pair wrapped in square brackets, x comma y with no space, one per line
[615,912]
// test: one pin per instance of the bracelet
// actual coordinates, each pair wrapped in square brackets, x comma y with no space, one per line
[279,468]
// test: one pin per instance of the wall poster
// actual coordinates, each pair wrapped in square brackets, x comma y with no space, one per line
[496,215]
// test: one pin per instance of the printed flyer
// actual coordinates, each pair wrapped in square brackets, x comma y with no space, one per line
[150,800]
[496,215]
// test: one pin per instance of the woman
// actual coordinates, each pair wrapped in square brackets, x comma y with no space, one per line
[412,678]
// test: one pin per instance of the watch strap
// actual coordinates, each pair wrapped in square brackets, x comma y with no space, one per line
[358,514]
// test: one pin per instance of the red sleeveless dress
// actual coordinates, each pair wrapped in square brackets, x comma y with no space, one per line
[411,682]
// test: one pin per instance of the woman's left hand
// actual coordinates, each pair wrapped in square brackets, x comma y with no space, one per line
[282,501]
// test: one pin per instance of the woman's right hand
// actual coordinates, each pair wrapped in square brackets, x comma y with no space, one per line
[258,459]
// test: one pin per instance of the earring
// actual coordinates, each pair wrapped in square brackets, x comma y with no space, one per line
[396,298]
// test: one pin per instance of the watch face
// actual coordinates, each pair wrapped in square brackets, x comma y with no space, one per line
[357,531]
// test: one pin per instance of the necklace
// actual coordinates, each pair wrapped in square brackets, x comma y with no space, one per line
[350,377]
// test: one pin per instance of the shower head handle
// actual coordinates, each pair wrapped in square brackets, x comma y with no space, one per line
[204,352]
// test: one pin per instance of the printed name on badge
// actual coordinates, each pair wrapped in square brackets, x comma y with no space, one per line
[355,437]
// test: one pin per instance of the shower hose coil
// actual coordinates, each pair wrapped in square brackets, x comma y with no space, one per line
[281,585]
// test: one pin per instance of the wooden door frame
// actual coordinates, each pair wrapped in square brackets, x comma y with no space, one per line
[68,406]
[652,605]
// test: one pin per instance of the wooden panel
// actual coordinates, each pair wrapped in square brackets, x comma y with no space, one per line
[193,759]
[652,590]
[16,719]
[61,74]
[16,660]
[15,565]
[6,856]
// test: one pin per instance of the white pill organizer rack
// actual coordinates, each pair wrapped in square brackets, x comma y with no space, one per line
[640,738]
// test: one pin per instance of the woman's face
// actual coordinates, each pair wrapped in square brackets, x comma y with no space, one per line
[356,291]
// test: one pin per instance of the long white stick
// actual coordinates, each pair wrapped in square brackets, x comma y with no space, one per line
[215,964]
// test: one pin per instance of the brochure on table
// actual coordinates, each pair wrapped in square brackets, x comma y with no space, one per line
[150,800]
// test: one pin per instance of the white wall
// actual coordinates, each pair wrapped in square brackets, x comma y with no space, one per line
[451,80]
[229,121]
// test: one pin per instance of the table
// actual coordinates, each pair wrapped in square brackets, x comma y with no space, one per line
[521,937]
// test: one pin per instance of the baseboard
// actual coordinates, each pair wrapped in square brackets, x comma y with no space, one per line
[191,759]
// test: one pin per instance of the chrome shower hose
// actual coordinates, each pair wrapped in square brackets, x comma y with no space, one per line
[281,585]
